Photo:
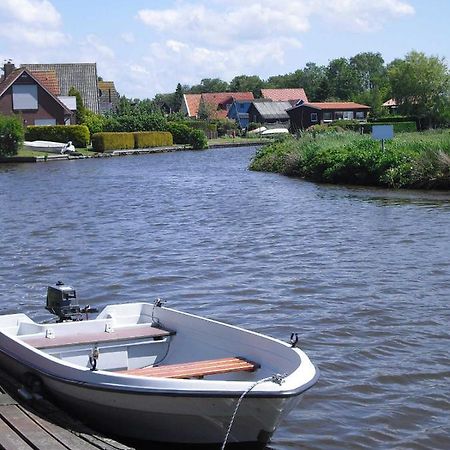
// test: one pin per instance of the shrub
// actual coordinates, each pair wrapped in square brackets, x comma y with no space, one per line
[78,134]
[95,122]
[197,140]
[102,142]
[415,160]
[399,127]
[145,139]
[11,135]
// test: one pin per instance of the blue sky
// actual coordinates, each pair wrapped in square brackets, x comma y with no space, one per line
[147,47]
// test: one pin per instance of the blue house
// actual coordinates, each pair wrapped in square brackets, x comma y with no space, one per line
[239,112]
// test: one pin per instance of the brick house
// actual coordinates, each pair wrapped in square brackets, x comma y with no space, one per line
[34,97]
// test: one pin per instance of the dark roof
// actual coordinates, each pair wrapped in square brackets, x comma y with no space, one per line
[333,105]
[81,76]
[272,110]
[15,74]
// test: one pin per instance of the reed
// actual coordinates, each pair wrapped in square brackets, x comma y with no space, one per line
[410,160]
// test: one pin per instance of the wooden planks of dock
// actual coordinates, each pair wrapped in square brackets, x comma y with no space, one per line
[40,425]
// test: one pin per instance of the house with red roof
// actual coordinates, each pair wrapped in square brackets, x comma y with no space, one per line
[33,95]
[213,104]
[291,95]
[305,114]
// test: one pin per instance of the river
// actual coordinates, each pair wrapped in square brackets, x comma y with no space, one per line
[363,275]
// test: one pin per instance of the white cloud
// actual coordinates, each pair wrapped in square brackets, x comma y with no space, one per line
[97,48]
[361,15]
[31,22]
[31,12]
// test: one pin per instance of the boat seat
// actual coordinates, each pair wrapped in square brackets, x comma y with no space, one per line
[196,369]
[118,334]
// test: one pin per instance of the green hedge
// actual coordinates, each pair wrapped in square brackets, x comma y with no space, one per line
[146,139]
[399,127]
[112,141]
[11,135]
[78,134]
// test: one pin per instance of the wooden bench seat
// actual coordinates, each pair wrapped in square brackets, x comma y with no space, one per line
[196,369]
[119,334]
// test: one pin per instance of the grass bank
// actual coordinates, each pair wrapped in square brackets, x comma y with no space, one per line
[410,160]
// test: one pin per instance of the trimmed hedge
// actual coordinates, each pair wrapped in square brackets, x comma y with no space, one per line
[112,141]
[102,142]
[78,134]
[145,139]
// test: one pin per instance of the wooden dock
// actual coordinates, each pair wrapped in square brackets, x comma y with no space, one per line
[40,425]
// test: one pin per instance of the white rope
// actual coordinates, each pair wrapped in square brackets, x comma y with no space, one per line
[278,379]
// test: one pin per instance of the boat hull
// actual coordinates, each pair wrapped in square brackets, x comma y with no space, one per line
[175,418]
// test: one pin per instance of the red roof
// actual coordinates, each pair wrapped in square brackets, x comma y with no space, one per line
[285,95]
[335,105]
[48,79]
[192,104]
[222,98]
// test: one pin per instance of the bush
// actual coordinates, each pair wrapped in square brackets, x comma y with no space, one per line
[135,122]
[197,140]
[95,122]
[415,160]
[102,142]
[78,134]
[11,135]
[399,127]
[146,139]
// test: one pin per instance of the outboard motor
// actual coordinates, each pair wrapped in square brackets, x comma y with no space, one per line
[62,301]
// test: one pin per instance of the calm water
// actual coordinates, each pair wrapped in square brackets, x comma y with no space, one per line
[362,275]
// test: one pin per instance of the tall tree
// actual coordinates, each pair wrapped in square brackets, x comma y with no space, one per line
[421,86]
[178,98]
[342,79]
[311,79]
[81,110]
[247,83]
[210,85]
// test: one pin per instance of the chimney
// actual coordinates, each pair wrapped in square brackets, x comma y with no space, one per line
[8,68]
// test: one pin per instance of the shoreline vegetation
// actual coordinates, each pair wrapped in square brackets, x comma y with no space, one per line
[409,160]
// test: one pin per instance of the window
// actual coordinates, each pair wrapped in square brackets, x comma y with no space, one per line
[348,115]
[327,116]
[25,96]
[338,115]
[45,122]
[360,115]
[313,117]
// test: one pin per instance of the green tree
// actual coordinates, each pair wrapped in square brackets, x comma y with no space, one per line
[421,86]
[210,85]
[247,83]
[11,135]
[342,79]
[178,98]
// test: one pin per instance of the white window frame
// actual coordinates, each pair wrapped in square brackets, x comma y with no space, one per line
[314,117]
[327,116]
[348,115]
[359,115]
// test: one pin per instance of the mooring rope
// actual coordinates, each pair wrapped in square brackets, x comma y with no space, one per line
[277,378]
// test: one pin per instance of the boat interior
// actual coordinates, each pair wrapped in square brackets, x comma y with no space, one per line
[141,340]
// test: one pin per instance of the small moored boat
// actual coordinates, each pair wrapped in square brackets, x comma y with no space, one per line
[49,147]
[149,372]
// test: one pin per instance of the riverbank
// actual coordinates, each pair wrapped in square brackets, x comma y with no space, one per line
[410,160]
[33,157]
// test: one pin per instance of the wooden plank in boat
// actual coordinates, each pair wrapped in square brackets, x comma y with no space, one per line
[118,334]
[196,369]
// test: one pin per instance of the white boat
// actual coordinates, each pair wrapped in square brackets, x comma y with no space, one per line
[149,372]
[49,147]
[274,131]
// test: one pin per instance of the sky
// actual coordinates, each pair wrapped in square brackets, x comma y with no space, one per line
[147,47]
